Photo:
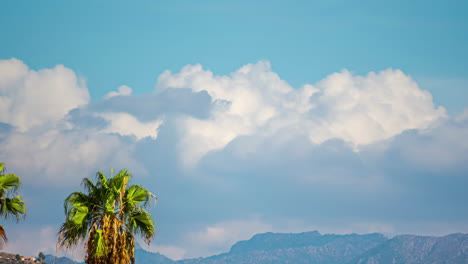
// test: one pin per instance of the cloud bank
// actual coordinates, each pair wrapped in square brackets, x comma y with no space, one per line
[230,156]
[253,100]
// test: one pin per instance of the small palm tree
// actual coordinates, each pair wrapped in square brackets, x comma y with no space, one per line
[41,257]
[9,207]
[106,217]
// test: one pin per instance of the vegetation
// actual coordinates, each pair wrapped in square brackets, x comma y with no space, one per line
[106,218]
[9,207]
[41,257]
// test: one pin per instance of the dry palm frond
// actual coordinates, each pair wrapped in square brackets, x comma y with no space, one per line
[3,237]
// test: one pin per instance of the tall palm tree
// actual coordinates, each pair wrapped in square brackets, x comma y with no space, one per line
[106,217]
[9,207]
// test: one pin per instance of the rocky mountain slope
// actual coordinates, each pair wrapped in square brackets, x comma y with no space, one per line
[51,259]
[310,247]
[313,248]
[142,256]
[408,249]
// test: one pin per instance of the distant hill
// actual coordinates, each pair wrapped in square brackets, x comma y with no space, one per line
[303,248]
[51,259]
[142,256]
[314,248]
[408,249]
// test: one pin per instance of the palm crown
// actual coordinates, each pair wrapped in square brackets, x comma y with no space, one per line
[106,217]
[9,207]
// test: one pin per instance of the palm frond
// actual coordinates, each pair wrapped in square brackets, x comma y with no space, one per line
[101,179]
[76,199]
[141,222]
[137,196]
[3,237]
[9,183]
[120,180]
[10,207]
[89,185]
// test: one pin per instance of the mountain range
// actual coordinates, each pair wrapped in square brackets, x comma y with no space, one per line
[314,248]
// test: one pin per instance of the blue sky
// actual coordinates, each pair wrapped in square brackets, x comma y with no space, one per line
[284,116]
[114,43]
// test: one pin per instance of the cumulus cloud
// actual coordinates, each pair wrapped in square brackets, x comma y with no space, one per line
[31,98]
[123,90]
[254,100]
[347,154]
[366,109]
[61,158]
[36,104]
[127,125]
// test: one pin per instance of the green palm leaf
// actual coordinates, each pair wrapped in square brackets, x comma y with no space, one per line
[8,182]
[9,206]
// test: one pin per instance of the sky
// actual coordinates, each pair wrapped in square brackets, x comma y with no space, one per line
[243,117]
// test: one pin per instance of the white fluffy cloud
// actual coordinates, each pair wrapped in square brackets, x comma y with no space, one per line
[245,101]
[258,142]
[63,158]
[44,144]
[365,109]
[251,101]
[30,98]
[123,90]
[48,152]
[127,125]
[254,100]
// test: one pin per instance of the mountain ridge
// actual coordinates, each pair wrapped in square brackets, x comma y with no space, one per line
[315,248]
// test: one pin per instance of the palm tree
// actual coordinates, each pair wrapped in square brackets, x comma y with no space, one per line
[41,257]
[106,218]
[9,207]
